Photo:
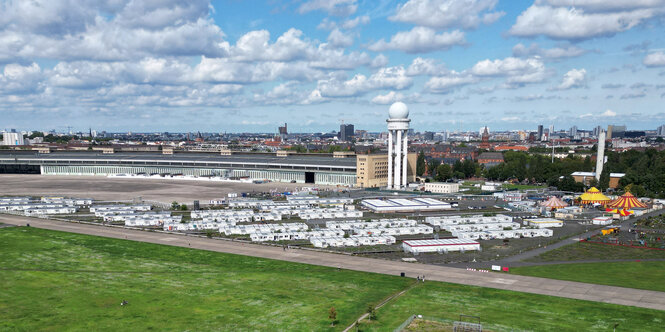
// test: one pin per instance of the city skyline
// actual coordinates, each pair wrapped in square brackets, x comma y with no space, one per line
[221,67]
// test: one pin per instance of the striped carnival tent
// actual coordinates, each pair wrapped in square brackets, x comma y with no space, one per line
[626,201]
[554,203]
[620,212]
[593,196]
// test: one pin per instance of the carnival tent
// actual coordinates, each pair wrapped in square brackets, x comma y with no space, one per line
[626,201]
[593,196]
[554,203]
[620,212]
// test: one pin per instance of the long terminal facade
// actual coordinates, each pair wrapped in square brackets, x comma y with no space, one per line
[315,169]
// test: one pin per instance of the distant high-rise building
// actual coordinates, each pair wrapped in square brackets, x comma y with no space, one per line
[661,131]
[283,130]
[597,130]
[614,131]
[428,136]
[539,135]
[346,132]
[551,131]
[12,138]
[573,131]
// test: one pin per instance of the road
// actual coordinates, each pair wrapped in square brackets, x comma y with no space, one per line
[560,288]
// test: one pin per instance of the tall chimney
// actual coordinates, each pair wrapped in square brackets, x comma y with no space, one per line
[600,157]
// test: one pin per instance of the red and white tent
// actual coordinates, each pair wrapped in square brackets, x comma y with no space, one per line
[626,201]
[554,203]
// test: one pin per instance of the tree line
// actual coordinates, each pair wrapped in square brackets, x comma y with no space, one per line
[645,170]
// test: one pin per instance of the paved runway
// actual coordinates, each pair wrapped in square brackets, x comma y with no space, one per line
[567,289]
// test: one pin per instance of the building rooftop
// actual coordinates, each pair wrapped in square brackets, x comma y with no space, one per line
[491,155]
[196,159]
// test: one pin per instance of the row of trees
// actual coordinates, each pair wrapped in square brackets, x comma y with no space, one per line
[537,168]
[443,172]
[645,170]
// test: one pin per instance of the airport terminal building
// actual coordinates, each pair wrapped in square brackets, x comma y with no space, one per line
[300,168]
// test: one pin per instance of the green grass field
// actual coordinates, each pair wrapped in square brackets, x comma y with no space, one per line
[501,310]
[643,275]
[61,281]
[594,251]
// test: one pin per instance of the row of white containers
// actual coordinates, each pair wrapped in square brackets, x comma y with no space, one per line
[461,220]
[352,241]
[501,234]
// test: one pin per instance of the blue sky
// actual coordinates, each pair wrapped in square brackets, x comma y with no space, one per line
[238,66]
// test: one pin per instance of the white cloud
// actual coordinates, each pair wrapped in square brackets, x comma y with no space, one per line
[634,95]
[385,78]
[107,31]
[568,51]
[160,14]
[388,98]
[609,113]
[422,66]
[655,59]
[445,84]
[575,78]
[354,22]
[379,61]
[16,78]
[328,24]
[518,71]
[337,59]
[611,86]
[337,38]
[605,5]
[441,14]
[255,45]
[581,22]
[419,40]
[332,7]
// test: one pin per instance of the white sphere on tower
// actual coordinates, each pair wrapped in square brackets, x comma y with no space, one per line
[398,110]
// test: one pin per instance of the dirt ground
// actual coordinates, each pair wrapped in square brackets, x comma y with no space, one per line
[120,189]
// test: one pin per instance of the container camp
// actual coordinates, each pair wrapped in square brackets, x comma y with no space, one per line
[544,222]
[24,205]
[353,241]
[439,245]
[480,227]
[68,201]
[475,219]
[137,207]
[49,210]
[405,205]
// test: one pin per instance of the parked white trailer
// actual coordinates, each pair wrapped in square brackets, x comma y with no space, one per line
[439,245]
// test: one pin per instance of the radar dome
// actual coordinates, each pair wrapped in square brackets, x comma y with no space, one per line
[398,110]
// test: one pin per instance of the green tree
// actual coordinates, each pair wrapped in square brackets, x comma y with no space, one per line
[36,134]
[443,172]
[175,205]
[420,164]
[433,164]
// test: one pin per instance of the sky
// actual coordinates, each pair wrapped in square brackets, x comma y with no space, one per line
[249,66]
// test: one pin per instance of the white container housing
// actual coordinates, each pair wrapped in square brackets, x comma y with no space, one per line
[440,245]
